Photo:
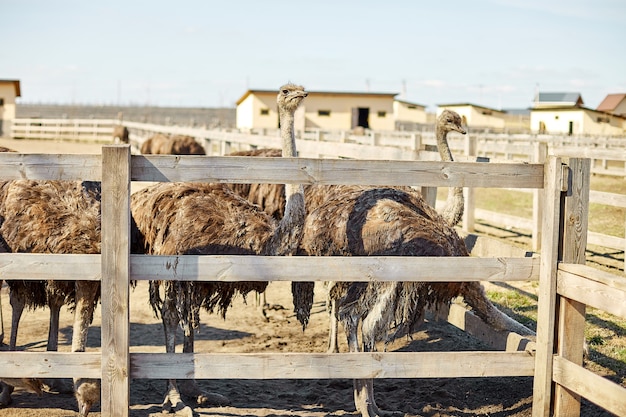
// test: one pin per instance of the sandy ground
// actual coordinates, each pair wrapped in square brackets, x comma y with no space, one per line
[246,329]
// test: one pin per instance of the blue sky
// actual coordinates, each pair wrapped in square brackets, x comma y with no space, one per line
[494,53]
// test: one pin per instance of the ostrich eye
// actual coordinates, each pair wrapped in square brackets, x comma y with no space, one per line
[285,92]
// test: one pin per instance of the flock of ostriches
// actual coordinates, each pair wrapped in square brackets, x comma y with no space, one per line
[256,219]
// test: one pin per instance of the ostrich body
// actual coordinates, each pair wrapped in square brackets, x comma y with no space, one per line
[185,218]
[176,145]
[54,217]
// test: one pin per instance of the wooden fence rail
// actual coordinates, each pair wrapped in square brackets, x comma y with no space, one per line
[115,365]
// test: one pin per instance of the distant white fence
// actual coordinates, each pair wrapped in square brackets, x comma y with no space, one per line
[79,130]
[607,154]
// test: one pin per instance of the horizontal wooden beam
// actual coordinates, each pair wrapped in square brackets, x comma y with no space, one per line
[274,365]
[334,171]
[50,364]
[593,387]
[18,166]
[30,266]
[596,294]
[334,365]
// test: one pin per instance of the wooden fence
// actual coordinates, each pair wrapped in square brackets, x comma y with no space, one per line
[608,155]
[565,287]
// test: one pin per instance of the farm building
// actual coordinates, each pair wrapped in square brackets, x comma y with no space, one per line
[564,113]
[330,111]
[576,121]
[9,91]
[614,103]
[476,116]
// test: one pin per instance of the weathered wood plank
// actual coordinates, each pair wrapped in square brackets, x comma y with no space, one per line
[18,166]
[298,268]
[334,171]
[49,364]
[277,268]
[546,309]
[612,280]
[38,266]
[595,294]
[571,321]
[595,388]
[115,338]
[335,365]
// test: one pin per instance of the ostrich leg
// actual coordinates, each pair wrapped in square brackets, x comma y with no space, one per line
[87,391]
[55,302]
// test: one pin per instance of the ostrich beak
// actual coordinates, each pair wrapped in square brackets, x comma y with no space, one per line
[460,130]
[83,409]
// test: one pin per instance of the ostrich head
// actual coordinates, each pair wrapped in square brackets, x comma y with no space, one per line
[87,392]
[289,97]
[450,121]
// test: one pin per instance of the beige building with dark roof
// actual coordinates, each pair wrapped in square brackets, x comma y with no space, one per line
[330,110]
[9,91]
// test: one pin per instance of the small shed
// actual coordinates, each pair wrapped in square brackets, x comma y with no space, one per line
[325,110]
[476,116]
[614,103]
[9,91]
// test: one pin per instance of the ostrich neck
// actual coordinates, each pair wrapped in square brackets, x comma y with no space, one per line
[453,208]
[286,237]
[287,133]
[442,145]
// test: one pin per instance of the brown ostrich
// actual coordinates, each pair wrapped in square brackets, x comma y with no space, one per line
[391,221]
[186,218]
[120,134]
[176,145]
[55,217]
[271,198]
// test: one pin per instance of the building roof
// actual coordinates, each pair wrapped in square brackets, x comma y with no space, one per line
[410,103]
[471,105]
[574,99]
[324,93]
[611,102]
[16,84]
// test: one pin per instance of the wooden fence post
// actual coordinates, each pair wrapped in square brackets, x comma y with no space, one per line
[554,184]
[115,261]
[470,195]
[540,153]
[571,319]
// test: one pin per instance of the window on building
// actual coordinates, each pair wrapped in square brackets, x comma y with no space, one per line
[382,114]
[323,112]
[265,112]
[412,107]
[556,117]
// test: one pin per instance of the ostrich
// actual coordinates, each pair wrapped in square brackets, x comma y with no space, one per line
[55,217]
[186,218]
[391,221]
[176,145]
[271,198]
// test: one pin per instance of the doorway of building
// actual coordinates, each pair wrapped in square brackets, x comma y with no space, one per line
[571,128]
[360,117]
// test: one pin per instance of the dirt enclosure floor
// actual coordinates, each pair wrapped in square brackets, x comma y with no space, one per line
[246,329]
